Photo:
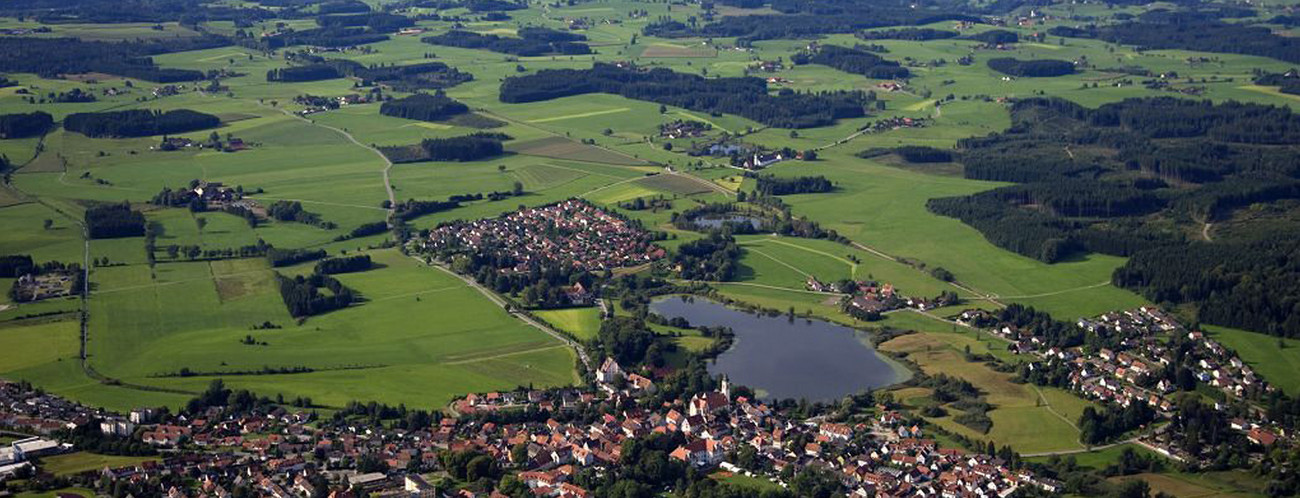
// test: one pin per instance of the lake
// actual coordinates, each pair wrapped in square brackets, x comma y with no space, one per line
[717,220]
[780,358]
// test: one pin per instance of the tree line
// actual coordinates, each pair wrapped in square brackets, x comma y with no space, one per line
[346,264]
[774,185]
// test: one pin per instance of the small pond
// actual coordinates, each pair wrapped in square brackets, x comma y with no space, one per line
[717,220]
[780,358]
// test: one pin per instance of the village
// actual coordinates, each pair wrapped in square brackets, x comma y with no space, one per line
[277,452]
[572,233]
[1129,373]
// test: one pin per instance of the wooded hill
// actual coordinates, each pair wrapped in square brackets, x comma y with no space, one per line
[1122,179]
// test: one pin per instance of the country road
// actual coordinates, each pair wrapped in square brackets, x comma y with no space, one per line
[388,165]
[582,353]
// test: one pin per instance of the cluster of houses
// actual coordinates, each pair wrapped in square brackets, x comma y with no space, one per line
[35,287]
[316,104]
[1131,372]
[895,123]
[683,128]
[276,452]
[572,233]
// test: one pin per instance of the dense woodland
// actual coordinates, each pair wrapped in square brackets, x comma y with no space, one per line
[52,57]
[1111,179]
[910,34]
[1035,68]
[746,96]
[808,18]
[475,146]
[1190,31]
[424,107]
[309,72]
[852,60]
[773,185]
[531,42]
[138,122]
[108,221]
[711,258]
[25,125]
[290,257]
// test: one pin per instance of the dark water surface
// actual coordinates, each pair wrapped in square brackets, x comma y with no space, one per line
[779,358]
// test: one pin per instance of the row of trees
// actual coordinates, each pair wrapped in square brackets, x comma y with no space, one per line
[346,264]
[745,96]
[293,211]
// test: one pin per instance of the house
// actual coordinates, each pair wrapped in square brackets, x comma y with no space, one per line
[700,452]
[1261,437]
[609,372]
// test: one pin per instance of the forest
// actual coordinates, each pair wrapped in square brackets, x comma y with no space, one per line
[772,185]
[51,57]
[808,18]
[1035,68]
[25,125]
[744,96]
[911,34]
[110,221]
[1186,31]
[852,60]
[1103,180]
[309,72]
[531,42]
[711,258]
[138,122]
[480,145]
[423,107]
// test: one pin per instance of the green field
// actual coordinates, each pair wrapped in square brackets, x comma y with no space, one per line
[1276,359]
[422,336]
[582,323]
[81,461]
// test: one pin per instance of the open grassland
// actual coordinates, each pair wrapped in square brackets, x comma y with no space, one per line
[82,461]
[583,323]
[1023,418]
[1207,485]
[421,336]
